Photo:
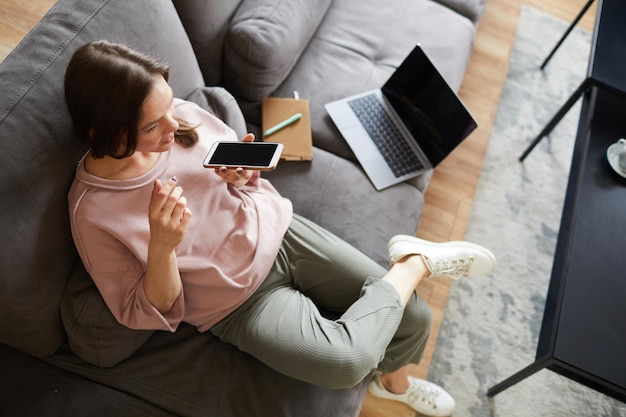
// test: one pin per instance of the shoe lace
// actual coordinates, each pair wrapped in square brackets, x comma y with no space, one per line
[456,268]
[423,393]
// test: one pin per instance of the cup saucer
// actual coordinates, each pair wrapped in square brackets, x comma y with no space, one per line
[612,154]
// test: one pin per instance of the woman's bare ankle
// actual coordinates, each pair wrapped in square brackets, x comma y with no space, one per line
[405,276]
[394,383]
[414,265]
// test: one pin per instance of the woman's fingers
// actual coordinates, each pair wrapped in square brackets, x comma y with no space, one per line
[169,215]
[248,138]
[161,192]
[172,201]
[180,210]
[236,176]
[168,206]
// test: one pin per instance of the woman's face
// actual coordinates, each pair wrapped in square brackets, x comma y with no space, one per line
[157,124]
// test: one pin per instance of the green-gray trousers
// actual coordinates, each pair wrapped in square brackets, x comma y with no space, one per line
[323,315]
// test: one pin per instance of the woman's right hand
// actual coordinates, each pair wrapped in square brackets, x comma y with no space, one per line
[169,216]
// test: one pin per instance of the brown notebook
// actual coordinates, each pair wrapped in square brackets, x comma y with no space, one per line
[296,137]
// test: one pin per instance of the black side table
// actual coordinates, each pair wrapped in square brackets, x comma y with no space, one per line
[583,333]
[607,61]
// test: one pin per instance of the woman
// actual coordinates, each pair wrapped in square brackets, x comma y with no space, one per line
[167,241]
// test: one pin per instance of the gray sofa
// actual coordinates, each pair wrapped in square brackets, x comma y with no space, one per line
[61,351]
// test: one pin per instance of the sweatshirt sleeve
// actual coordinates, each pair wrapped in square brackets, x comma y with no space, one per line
[127,300]
[117,271]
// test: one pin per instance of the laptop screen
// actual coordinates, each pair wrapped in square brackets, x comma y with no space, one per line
[428,107]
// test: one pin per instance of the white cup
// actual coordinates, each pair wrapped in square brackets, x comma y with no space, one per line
[621,154]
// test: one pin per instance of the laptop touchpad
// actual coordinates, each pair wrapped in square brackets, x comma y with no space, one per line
[361,144]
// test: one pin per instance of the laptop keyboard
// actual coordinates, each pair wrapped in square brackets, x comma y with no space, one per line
[385,135]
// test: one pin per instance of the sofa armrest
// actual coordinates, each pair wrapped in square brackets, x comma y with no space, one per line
[220,103]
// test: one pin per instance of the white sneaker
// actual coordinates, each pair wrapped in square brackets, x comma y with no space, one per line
[455,259]
[422,396]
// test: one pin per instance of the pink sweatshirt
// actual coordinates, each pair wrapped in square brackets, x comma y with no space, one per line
[230,246]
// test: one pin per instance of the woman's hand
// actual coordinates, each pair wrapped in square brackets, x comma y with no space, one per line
[169,218]
[238,177]
[169,215]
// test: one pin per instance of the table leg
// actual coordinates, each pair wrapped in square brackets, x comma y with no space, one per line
[558,116]
[574,23]
[514,379]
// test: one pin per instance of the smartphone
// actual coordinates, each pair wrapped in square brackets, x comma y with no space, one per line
[262,156]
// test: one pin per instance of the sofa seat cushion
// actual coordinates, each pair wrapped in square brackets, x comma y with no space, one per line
[265,40]
[336,194]
[359,45]
[33,388]
[197,375]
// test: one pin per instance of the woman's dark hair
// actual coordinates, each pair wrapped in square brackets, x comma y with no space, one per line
[105,86]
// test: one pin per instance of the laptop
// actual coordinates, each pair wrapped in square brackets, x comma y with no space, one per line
[406,127]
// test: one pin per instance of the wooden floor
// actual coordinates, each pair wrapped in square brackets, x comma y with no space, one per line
[451,191]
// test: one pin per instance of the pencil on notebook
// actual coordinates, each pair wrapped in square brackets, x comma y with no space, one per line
[283,124]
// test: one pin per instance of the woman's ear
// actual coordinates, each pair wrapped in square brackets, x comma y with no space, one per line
[92,133]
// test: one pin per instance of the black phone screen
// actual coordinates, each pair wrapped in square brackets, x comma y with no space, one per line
[256,154]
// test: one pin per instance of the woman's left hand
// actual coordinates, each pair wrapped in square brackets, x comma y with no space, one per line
[238,177]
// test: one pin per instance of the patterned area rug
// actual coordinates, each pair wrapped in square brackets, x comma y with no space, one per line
[491,324]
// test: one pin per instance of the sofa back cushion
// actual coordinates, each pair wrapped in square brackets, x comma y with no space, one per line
[39,152]
[264,42]
[206,23]
[472,9]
